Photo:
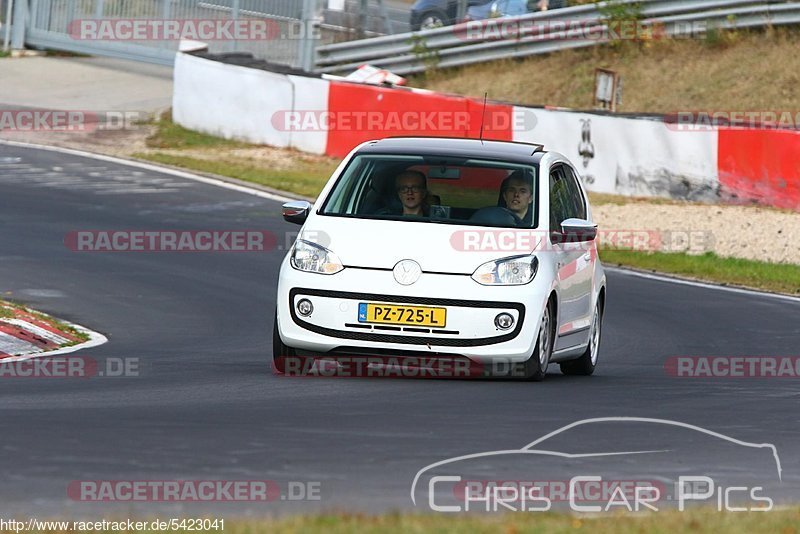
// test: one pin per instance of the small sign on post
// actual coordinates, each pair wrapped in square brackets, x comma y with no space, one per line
[607,89]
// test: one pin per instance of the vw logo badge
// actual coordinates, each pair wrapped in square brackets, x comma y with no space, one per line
[406,272]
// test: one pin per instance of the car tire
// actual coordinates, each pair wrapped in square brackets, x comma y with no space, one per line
[432,19]
[586,364]
[535,368]
[279,351]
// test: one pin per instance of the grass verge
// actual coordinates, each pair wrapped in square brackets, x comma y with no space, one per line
[170,135]
[303,181]
[699,521]
[286,170]
[660,76]
[775,277]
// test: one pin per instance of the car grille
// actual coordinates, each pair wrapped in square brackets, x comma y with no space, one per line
[371,334]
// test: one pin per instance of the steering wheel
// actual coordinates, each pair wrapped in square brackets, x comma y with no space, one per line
[517,220]
[496,216]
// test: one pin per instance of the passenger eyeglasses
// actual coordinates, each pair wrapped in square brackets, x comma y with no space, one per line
[410,189]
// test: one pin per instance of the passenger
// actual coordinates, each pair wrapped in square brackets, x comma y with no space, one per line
[516,195]
[412,190]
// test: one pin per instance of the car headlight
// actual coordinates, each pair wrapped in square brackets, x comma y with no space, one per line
[514,271]
[313,258]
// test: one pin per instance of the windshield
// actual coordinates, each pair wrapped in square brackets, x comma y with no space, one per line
[444,190]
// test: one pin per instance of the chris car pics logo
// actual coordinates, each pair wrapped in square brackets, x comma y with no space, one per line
[450,486]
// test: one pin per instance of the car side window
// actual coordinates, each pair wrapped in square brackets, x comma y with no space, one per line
[560,204]
[577,202]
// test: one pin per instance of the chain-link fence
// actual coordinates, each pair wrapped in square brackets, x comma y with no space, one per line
[293,28]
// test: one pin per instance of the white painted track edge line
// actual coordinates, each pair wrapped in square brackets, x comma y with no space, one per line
[153,167]
[675,279]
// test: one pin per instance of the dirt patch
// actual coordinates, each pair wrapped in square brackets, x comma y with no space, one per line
[752,233]
[120,143]
[274,158]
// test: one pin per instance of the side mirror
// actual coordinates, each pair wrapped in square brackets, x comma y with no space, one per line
[296,211]
[578,230]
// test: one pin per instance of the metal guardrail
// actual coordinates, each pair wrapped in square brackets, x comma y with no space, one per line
[451,46]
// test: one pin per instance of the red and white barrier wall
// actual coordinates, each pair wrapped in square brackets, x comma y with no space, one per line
[760,165]
[629,156]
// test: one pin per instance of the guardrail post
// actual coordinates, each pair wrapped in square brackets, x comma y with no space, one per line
[387,20]
[308,44]
[20,20]
[461,9]
[40,13]
[235,16]
[363,18]
[7,25]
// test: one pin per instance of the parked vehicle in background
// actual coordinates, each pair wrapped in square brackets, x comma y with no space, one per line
[510,8]
[428,14]
[497,9]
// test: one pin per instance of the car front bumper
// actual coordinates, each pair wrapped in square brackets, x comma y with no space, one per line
[470,332]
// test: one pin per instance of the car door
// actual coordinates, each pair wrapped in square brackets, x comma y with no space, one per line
[587,259]
[574,268]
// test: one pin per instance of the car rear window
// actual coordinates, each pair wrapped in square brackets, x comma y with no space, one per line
[444,190]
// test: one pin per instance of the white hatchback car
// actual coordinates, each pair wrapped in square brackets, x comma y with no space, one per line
[445,248]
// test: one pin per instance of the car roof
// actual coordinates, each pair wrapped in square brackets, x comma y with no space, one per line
[456,147]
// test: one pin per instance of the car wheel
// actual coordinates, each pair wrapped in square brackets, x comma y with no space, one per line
[432,19]
[586,364]
[279,351]
[536,366]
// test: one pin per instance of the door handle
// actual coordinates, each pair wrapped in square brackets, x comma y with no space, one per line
[588,256]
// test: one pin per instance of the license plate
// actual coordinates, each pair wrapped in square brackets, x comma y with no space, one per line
[369,312]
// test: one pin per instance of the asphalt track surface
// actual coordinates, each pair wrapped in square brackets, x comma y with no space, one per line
[206,405]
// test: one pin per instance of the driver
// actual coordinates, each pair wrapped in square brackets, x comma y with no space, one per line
[517,195]
[412,190]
